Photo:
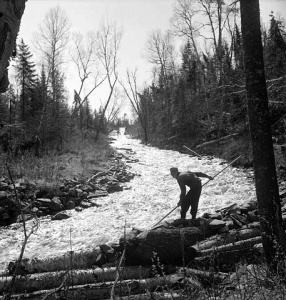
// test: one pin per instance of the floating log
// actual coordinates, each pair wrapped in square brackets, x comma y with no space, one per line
[49,280]
[224,138]
[197,154]
[102,290]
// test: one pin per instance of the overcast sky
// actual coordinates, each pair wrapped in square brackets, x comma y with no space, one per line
[138,18]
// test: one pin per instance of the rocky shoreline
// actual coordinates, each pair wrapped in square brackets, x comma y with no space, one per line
[22,199]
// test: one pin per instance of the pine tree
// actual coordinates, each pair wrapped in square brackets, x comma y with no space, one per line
[26,75]
[275,52]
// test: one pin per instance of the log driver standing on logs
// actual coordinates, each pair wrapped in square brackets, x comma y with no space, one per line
[192,180]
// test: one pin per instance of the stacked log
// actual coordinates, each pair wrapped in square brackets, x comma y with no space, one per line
[208,246]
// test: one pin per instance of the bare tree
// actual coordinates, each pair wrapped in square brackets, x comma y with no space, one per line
[204,22]
[84,56]
[51,40]
[160,51]
[115,106]
[132,93]
[109,40]
[185,23]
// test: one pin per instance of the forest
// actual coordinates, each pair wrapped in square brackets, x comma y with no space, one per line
[197,94]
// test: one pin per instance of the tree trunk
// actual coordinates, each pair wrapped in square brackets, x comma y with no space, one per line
[50,280]
[231,237]
[103,290]
[11,12]
[222,139]
[263,156]
[169,244]
[232,247]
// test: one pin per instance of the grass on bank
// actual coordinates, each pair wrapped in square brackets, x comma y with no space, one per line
[78,158]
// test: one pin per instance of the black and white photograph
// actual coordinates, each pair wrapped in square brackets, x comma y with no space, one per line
[143,149]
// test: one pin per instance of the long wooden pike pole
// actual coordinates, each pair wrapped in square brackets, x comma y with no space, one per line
[202,186]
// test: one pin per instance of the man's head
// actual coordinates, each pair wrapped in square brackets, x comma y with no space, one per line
[174,172]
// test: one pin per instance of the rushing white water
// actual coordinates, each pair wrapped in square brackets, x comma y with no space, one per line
[151,195]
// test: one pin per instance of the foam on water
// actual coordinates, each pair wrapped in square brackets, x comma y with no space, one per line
[149,197]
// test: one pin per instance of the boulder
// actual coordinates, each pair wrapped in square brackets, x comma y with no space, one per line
[60,216]
[70,205]
[56,204]
[85,204]
[216,225]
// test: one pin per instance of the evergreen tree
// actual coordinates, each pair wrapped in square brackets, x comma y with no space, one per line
[275,65]
[26,75]
[275,52]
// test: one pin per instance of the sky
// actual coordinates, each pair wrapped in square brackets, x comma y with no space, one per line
[137,17]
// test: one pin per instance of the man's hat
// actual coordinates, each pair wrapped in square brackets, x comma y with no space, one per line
[174,170]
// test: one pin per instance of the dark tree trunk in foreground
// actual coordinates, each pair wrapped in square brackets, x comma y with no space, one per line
[10,18]
[263,155]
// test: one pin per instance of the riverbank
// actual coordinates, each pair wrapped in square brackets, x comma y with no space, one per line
[142,203]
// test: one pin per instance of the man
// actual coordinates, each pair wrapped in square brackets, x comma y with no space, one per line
[192,198]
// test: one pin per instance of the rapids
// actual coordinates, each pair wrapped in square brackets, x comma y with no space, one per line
[143,202]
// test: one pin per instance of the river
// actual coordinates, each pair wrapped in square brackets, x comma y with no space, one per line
[151,195]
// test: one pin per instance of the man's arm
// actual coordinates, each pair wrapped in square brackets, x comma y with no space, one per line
[200,174]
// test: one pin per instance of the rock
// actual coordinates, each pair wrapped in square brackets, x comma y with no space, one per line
[217,224]
[75,200]
[97,194]
[45,202]
[3,186]
[79,193]
[206,215]
[229,224]
[39,213]
[72,192]
[216,216]
[86,188]
[252,216]
[224,229]
[93,202]
[70,205]
[56,204]
[85,204]
[3,195]
[5,216]
[114,188]
[60,216]
[63,200]
[12,204]
[34,210]
[78,209]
